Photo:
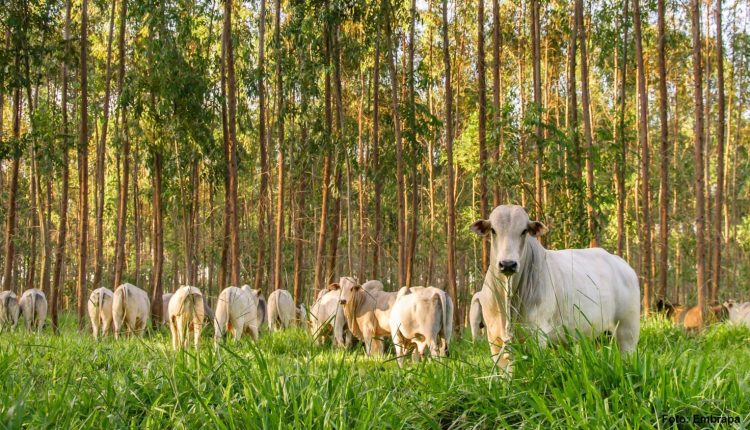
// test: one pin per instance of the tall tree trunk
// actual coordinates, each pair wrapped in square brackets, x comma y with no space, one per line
[362,196]
[700,252]
[225,140]
[234,249]
[587,126]
[83,173]
[411,232]
[122,203]
[496,89]
[299,222]
[717,240]
[622,156]
[664,157]
[280,162]
[645,161]
[157,239]
[401,215]
[537,81]
[262,145]
[335,226]
[450,203]
[10,220]
[338,131]
[572,113]
[63,226]
[101,152]
[378,187]
[320,248]
[481,78]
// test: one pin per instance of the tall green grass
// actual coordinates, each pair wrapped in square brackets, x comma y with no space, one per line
[285,381]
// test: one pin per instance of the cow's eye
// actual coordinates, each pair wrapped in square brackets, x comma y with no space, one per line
[526,230]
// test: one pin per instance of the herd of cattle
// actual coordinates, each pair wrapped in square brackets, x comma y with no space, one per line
[549,294]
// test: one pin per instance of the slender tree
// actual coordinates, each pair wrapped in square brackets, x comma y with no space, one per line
[377,186]
[700,246]
[622,156]
[482,120]
[262,146]
[63,226]
[449,192]
[717,240]
[664,156]
[645,161]
[83,173]
[537,81]
[280,161]
[101,154]
[234,244]
[122,198]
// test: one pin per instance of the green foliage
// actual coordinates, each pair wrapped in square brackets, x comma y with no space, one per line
[285,381]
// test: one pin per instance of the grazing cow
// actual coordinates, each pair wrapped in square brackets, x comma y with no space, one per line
[367,311]
[739,313]
[33,305]
[475,317]
[9,310]
[262,307]
[552,293]
[100,311]
[421,319]
[327,317]
[236,312]
[130,310]
[281,310]
[186,315]
[688,317]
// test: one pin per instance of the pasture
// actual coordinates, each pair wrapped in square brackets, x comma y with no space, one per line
[286,381]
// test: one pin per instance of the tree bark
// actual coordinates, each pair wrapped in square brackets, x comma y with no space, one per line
[645,202]
[63,226]
[587,127]
[450,203]
[537,81]
[280,162]
[378,187]
[10,220]
[664,156]
[700,253]
[157,239]
[717,239]
[496,89]
[101,152]
[483,171]
[122,203]
[622,157]
[234,249]
[262,146]
[401,215]
[83,174]
[362,196]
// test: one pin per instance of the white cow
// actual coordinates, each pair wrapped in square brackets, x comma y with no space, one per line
[327,317]
[475,317]
[281,310]
[130,310]
[186,314]
[236,312]
[9,310]
[100,310]
[739,313]
[367,311]
[421,319]
[33,305]
[552,293]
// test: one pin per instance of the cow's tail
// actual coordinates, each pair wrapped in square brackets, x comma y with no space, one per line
[125,305]
[447,310]
[402,292]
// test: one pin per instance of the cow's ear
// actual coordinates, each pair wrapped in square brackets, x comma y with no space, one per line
[334,286]
[481,227]
[536,229]
[259,292]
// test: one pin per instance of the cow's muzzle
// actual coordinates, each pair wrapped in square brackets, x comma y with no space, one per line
[508,267]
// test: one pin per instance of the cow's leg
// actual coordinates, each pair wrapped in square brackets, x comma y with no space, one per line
[399,348]
[197,328]
[627,334]
[173,330]
[376,346]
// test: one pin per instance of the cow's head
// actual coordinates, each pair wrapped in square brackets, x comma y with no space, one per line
[349,287]
[507,228]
